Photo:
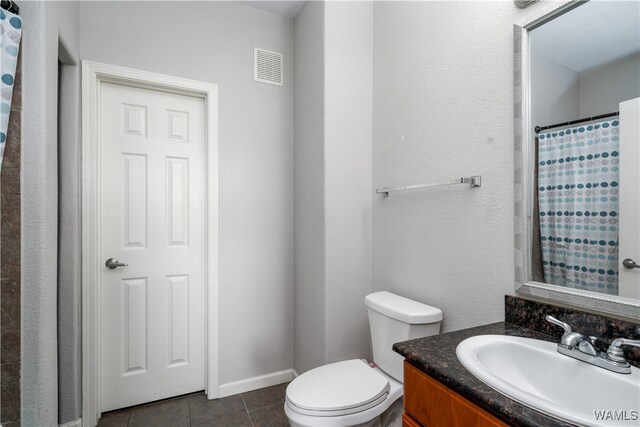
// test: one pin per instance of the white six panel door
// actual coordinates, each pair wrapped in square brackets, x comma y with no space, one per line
[152,217]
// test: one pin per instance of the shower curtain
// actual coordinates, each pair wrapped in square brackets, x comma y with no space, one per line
[10,32]
[578,171]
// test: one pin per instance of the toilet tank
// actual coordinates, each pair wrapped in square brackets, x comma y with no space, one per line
[392,319]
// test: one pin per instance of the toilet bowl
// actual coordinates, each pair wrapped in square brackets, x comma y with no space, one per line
[348,393]
[354,392]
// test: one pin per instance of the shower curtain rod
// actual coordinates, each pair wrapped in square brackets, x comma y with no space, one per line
[573,122]
[10,6]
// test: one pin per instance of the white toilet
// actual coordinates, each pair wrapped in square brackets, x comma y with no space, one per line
[353,393]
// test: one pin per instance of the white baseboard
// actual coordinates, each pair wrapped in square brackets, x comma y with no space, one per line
[74,423]
[295,374]
[255,383]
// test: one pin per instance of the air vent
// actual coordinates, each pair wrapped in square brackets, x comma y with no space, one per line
[267,67]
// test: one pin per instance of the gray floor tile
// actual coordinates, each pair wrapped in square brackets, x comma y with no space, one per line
[265,397]
[239,419]
[203,410]
[270,416]
[114,419]
[170,413]
[266,408]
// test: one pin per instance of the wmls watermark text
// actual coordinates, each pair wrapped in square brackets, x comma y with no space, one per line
[609,415]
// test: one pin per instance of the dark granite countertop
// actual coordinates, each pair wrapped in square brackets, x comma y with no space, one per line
[436,355]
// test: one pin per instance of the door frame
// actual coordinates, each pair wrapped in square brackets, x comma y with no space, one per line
[93,75]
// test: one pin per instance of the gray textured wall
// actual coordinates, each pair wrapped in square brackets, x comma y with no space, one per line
[348,93]
[69,244]
[333,94]
[309,307]
[46,25]
[443,108]
[603,89]
[555,93]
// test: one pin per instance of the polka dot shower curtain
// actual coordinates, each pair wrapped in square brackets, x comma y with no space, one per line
[578,204]
[10,32]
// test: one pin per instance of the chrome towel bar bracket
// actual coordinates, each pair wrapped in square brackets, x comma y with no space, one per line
[473,181]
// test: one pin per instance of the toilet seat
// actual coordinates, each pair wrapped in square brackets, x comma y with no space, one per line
[340,388]
[337,413]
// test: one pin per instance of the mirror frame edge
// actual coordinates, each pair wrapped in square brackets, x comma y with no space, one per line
[592,301]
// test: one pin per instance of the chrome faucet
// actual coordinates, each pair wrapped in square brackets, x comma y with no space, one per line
[574,340]
[581,347]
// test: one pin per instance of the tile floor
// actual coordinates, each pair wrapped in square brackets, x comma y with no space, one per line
[259,408]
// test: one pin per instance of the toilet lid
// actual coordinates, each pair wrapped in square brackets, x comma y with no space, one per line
[337,386]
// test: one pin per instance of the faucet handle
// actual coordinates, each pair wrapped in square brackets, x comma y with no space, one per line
[614,352]
[565,326]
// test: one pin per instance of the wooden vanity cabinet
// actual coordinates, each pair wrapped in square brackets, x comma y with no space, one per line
[428,403]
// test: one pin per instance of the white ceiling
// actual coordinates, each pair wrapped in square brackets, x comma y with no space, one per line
[593,34]
[287,8]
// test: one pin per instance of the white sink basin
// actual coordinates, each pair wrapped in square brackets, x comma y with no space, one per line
[533,373]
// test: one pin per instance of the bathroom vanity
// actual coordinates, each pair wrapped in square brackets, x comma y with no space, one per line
[440,392]
[429,403]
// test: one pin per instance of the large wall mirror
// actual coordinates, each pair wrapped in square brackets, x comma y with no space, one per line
[577,88]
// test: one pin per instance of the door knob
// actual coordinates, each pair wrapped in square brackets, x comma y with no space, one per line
[113,263]
[629,263]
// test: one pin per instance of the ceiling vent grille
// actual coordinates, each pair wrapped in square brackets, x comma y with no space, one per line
[267,67]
